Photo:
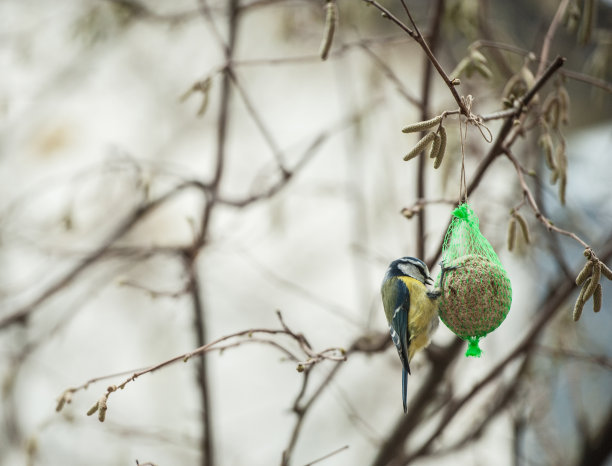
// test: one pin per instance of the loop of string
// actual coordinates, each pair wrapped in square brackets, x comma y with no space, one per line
[484,131]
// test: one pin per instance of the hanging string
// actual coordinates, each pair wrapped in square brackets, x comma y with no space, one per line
[462,182]
[484,131]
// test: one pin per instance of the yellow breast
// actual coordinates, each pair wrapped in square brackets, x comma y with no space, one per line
[422,317]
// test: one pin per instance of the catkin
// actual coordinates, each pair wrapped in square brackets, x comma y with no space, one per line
[547,144]
[102,409]
[524,228]
[550,110]
[477,56]
[330,27]
[586,23]
[483,69]
[421,125]
[578,309]
[562,186]
[420,146]
[461,67]
[60,403]
[564,100]
[561,156]
[93,409]
[554,175]
[584,273]
[597,298]
[442,133]
[508,91]
[579,305]
[435,147]
[511,233]
[589,290]
[439,157]
[606,271]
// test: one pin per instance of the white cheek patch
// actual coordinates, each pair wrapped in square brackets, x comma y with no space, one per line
[405,269]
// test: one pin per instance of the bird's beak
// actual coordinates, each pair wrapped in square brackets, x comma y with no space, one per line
[429,281]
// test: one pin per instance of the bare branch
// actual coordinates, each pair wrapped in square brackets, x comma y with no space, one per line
[242,337]
[532,203]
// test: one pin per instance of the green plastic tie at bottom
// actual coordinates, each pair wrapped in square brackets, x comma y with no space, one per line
[473,348]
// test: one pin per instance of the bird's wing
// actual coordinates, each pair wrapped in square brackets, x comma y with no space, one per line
[399,324]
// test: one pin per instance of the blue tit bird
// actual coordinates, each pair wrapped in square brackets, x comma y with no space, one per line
[411,310]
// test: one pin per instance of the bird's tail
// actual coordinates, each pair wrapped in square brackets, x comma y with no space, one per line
[404,388]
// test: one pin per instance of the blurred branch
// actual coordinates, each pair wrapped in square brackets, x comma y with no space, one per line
[597,449]
[288,175]
[493,407]
[21,315]
[200,327]
[575,75]
[223,119]
[316,58]
[598,360]
[394,442]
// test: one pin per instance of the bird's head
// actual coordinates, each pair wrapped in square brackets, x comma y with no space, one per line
[409,267]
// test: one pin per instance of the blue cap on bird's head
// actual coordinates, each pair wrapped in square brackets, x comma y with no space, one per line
[409,267]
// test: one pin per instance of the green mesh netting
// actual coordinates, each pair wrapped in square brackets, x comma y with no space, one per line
[476,293]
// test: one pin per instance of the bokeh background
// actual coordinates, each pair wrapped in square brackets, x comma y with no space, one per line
[96,120]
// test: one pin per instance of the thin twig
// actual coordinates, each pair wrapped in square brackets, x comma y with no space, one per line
[417,36]
[329,354]
[329,455]
[392,77]
[263,129]
[391,17]
[299,410]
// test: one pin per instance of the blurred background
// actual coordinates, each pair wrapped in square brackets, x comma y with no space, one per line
[176,172]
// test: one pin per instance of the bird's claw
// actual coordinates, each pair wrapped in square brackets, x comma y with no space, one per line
[444,270]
